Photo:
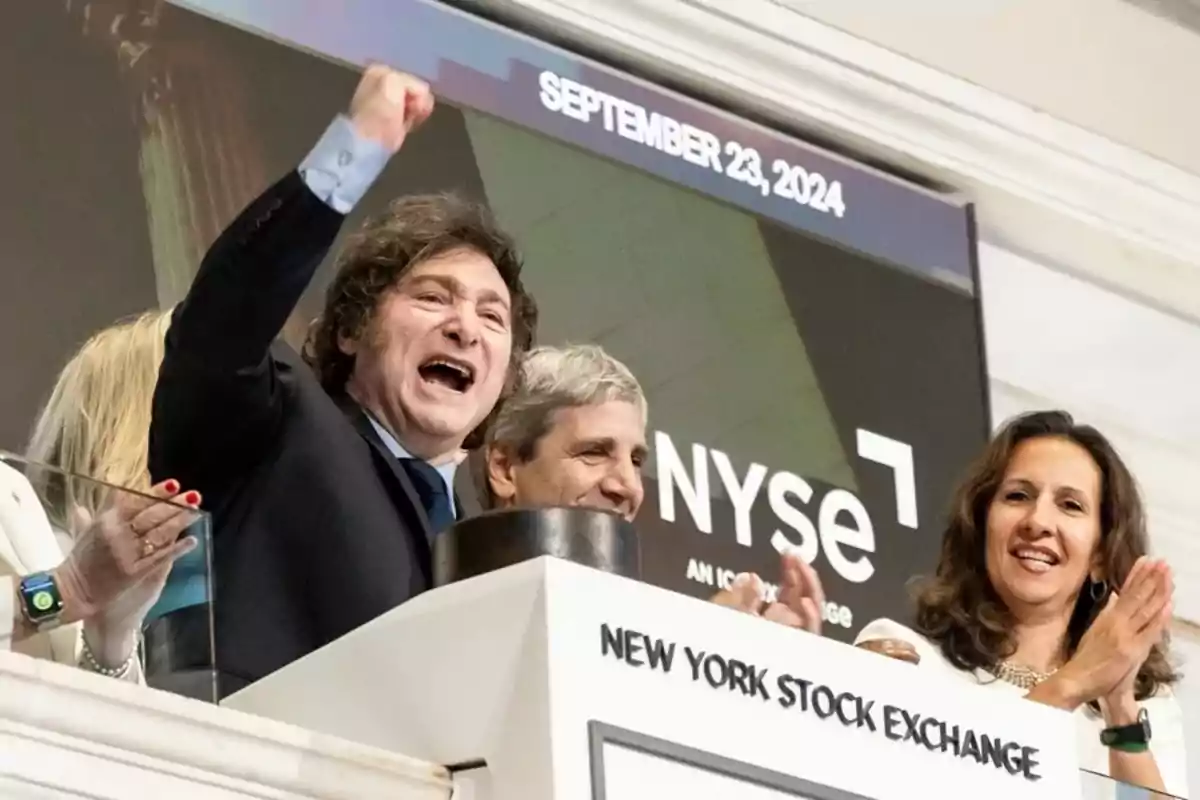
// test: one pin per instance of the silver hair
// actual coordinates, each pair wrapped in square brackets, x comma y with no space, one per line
[554,378]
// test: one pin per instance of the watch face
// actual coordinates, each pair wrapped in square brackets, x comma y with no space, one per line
[1144,719]
[42,601]
[41,597]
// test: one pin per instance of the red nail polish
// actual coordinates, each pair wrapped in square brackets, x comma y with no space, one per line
[192,498]
[172,486]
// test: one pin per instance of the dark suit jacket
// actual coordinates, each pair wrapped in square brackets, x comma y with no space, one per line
[317,529]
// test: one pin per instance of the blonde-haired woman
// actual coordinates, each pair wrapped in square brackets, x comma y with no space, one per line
[97,420]
[119,547]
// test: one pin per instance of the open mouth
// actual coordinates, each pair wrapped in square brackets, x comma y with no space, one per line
[1036,559]
[453,375]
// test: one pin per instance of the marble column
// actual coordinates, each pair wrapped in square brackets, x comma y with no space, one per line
[199,154]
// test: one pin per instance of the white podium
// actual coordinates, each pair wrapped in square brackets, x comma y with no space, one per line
[572,684]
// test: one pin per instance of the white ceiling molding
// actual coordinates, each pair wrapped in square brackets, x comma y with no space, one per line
[1076,199]
[1104,65]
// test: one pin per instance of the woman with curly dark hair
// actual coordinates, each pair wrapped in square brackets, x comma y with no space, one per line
[1044,589]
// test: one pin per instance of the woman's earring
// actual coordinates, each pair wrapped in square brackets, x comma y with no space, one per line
[1098,589]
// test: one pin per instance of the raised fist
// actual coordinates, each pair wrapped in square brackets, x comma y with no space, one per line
[388,105]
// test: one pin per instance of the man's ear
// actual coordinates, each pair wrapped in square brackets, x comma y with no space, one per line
[501,476]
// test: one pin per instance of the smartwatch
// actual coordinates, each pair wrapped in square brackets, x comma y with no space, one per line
[1133,738]
[40,599]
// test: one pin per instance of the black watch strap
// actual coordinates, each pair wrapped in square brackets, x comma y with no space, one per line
[1133,738]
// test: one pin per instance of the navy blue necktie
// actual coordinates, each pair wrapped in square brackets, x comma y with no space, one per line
[432,489]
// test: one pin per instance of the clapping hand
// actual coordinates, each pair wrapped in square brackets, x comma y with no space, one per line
[800,601]
[1112,651]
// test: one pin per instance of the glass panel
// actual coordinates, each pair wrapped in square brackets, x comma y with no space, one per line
[1102,787]
[46,513]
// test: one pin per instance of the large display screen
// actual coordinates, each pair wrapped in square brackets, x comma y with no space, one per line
[806,328]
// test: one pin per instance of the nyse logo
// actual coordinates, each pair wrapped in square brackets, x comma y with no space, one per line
[843,529]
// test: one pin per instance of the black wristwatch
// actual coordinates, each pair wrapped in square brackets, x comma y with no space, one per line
[1133,738]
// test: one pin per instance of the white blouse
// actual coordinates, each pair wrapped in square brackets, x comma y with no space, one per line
[28,543]
[1166,716]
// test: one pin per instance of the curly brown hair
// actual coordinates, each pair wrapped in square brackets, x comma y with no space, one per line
[959,609]
[412,230]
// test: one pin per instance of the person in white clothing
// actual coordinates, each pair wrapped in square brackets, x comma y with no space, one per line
[1044,590]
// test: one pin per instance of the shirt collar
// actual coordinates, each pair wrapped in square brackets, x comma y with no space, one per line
[447,471]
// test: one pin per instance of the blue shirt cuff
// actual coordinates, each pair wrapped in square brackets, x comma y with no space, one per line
[343,165]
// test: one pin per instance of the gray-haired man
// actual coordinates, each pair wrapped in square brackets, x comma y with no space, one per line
[574,434]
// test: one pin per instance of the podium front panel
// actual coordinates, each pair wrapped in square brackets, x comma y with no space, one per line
[744,700]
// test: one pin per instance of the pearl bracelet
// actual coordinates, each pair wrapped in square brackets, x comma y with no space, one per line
[93,665]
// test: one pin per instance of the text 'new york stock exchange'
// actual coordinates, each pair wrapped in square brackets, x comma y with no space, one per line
[721,672]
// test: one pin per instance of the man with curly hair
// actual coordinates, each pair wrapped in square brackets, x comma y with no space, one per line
[328,475]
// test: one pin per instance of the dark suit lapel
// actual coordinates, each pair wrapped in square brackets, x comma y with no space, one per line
[404,495]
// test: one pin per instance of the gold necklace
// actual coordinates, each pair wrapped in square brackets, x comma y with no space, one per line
[1019,675]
